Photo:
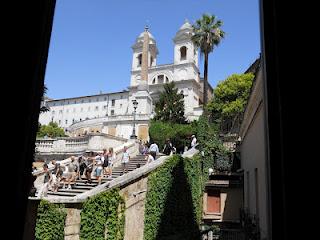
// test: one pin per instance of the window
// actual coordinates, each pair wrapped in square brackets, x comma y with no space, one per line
[112,112]
[53,112]
[105,98]
[89,100]
[97,99]
[97,108]
[66,121]
[80,119]
[139,60]
[160,79]
[68,102]
[248,189]
[183,53]
[54,104]
[75,102]
[82,101]
[105,107]
[59,122]
[121,96]
[256,190]
[151,60]
[167,80]
[154,80]
[73,120]
[120,105]
[113,101]
[213,201]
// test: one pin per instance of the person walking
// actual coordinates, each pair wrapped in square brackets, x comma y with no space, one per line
[193,141]
[154,150]
[168,148]
[125,160]
[111,158]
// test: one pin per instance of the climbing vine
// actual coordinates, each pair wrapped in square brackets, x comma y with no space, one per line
[102,217]
[50,221]
[173,202]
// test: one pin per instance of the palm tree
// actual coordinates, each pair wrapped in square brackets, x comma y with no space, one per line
[44,108]
[207,34]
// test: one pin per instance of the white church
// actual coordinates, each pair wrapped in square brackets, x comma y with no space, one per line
[119,113]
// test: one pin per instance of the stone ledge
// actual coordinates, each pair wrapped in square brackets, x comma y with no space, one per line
[72,230]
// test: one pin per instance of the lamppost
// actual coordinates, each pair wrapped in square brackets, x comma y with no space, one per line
[135,105]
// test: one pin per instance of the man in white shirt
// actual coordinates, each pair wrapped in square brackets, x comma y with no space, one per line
[154,150]
[194,141]
[125,160]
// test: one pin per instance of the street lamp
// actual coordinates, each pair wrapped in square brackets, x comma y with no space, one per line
[135,105]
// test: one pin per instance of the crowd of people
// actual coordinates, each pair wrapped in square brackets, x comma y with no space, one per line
[82,167]
[99,165]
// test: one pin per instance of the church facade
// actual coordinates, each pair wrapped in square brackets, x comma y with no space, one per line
[114,113]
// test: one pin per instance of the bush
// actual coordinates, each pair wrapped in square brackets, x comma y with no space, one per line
[50,221]
[179,134]
[51,130]
[102,217]
[215,154]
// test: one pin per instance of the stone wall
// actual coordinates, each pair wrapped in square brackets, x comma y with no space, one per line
[134,196]
[72,224]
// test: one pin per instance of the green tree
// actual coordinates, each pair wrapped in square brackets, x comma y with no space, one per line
[230,97]
[50,130]
[170,106]
[207,34]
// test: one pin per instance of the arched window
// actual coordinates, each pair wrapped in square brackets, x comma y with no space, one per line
[183,53]
[160,79]
[139,60]
[154,80]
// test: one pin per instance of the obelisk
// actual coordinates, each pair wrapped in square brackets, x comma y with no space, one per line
[145,51]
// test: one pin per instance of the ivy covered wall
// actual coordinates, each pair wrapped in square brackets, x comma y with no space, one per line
[102,217]
[50,221]
[173,202]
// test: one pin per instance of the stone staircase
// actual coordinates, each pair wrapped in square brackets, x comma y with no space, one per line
[81,186]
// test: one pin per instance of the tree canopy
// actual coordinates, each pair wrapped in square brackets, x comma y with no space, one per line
[230,97]
[170,106]
[51,130]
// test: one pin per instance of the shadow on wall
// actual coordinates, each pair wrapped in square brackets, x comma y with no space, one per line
[178,220]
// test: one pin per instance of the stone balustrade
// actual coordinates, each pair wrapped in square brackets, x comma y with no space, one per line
[108,119]
[78,145]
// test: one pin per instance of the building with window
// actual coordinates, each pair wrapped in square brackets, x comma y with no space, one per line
[113,112]
[254,158]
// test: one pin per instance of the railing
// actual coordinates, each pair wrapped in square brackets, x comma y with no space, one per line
[115,118]
[90,142]
[77,142]
[44,143]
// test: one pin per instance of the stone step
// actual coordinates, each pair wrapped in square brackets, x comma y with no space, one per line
[72,190]
[83,187]
[95,181]
[80,184]
[65,194]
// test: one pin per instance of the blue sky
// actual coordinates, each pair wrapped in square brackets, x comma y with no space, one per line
[90,47]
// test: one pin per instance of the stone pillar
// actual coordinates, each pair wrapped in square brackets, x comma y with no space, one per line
[145,50]
[72,226]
